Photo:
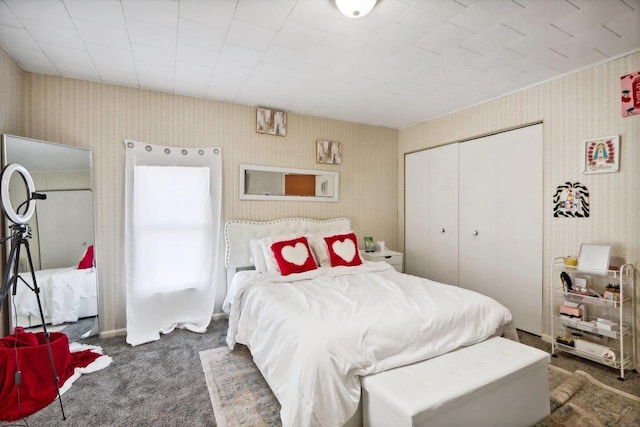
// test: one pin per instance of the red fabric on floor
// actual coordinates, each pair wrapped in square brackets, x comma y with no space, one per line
[83,358]
[27,352]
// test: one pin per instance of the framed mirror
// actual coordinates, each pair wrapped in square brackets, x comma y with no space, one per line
[276,183]
[62,238]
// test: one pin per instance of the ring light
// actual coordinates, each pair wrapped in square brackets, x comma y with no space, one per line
[7,173]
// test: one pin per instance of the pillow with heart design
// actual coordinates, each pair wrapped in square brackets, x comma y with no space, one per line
[343,250]
[265,243]
[293,256]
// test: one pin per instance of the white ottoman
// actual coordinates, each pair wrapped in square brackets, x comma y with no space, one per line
[494,383]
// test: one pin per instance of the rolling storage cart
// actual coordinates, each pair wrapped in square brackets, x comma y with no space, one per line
[592,314]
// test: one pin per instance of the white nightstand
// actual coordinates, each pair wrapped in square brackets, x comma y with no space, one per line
[391,257]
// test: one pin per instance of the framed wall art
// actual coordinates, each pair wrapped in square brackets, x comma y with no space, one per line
[272,122]
[571,199]
[328,152]
[630,94]
[602,155]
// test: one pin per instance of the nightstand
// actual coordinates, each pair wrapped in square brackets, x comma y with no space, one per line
[390,257]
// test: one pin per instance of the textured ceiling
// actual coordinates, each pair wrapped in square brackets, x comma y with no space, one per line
[406,62]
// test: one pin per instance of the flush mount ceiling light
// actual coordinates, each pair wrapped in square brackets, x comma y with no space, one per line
[355,8]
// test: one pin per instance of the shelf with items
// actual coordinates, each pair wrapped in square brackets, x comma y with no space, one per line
[591,299]
[591,326]
[592,314]
[618,363]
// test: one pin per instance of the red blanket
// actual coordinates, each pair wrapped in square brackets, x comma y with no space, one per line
[27,352]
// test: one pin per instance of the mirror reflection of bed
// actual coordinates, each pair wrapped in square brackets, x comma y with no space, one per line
[62,239]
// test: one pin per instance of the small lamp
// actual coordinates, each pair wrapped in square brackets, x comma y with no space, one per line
[355,8]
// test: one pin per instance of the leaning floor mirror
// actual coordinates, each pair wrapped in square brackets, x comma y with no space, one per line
[62,238]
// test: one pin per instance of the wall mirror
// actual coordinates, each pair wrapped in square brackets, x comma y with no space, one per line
[275,183]
[62,238]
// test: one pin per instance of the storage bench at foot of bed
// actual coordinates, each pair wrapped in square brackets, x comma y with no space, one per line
[494,383]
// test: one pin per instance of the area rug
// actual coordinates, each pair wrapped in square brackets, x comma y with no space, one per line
[239,394]
[241,397]
[578,400]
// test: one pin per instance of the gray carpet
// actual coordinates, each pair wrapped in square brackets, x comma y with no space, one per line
[155,384]
[162,383]
[81,329]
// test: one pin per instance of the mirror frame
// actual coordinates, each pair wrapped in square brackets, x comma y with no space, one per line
[7,139]
[243,196]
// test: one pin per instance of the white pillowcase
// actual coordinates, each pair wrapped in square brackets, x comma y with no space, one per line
[320,250]
[257,255]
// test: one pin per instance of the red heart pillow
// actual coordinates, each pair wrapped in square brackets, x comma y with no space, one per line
[293,256]
[343,250]
[87,259]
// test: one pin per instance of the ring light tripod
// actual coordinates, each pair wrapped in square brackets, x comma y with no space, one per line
[20,233]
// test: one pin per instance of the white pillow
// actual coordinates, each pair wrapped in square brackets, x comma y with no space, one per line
[320,250]
[257,255]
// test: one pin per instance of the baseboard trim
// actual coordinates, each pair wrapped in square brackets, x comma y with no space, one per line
[219,316]
[546,338]
[113,333]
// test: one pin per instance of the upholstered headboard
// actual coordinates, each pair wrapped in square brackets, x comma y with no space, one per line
[238,233]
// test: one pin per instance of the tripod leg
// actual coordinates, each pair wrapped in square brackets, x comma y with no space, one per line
[9,281]
[36,289]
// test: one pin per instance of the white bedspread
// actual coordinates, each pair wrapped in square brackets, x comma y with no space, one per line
[312,335]
[61,291]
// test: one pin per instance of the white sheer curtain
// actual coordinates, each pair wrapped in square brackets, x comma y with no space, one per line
[173,200]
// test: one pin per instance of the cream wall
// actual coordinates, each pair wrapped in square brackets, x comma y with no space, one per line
[100,117]
[573,108]
[11,122]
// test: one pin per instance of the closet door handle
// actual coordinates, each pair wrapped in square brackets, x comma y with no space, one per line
[442,230]
[475,233]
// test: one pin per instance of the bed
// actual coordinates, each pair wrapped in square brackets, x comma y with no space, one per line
[66,294]
[314,333]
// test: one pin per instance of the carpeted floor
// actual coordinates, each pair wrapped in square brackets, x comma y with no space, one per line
[162,383]
[241,397]
[155,384]
[81,329]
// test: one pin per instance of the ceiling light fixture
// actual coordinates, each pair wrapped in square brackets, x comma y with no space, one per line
[355,8]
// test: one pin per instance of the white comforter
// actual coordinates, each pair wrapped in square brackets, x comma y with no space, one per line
[312,335]
[61,291]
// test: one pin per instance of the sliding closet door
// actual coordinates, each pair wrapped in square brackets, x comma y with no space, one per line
[431,214]
[416,213]
[500,242]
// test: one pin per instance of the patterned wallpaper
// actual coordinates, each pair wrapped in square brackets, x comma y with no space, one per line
[100,117]
[11,122]
[574,108]
[11,96]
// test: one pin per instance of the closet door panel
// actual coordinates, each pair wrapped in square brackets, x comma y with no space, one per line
[431,206]
[417,248]
[519,222]
[478,205]
[501,198]
[443,214]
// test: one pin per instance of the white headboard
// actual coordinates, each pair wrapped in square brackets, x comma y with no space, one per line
[237,234]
